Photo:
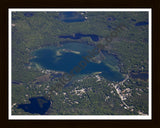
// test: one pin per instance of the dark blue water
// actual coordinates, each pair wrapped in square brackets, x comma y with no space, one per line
[141,23]
[38,105]
[79,35]
[70,17]
[140,75]
[28,14]
[67,61]
[109,27]
[111,18]
[14,82]
[133,20]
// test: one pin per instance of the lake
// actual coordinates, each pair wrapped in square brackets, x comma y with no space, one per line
[38,105]
[68,56]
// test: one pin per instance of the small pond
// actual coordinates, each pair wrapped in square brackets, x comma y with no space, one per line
[38,105]
[140,75]
[142,23]
[79,35]
[70,17]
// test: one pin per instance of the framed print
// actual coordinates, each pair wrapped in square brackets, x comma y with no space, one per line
[80,63]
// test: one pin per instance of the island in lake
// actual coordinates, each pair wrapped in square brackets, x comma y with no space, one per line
[60,52]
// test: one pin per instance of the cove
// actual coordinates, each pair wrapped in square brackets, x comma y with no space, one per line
[68,56]
[38,105]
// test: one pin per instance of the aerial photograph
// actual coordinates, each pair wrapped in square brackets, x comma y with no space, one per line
[79,62]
